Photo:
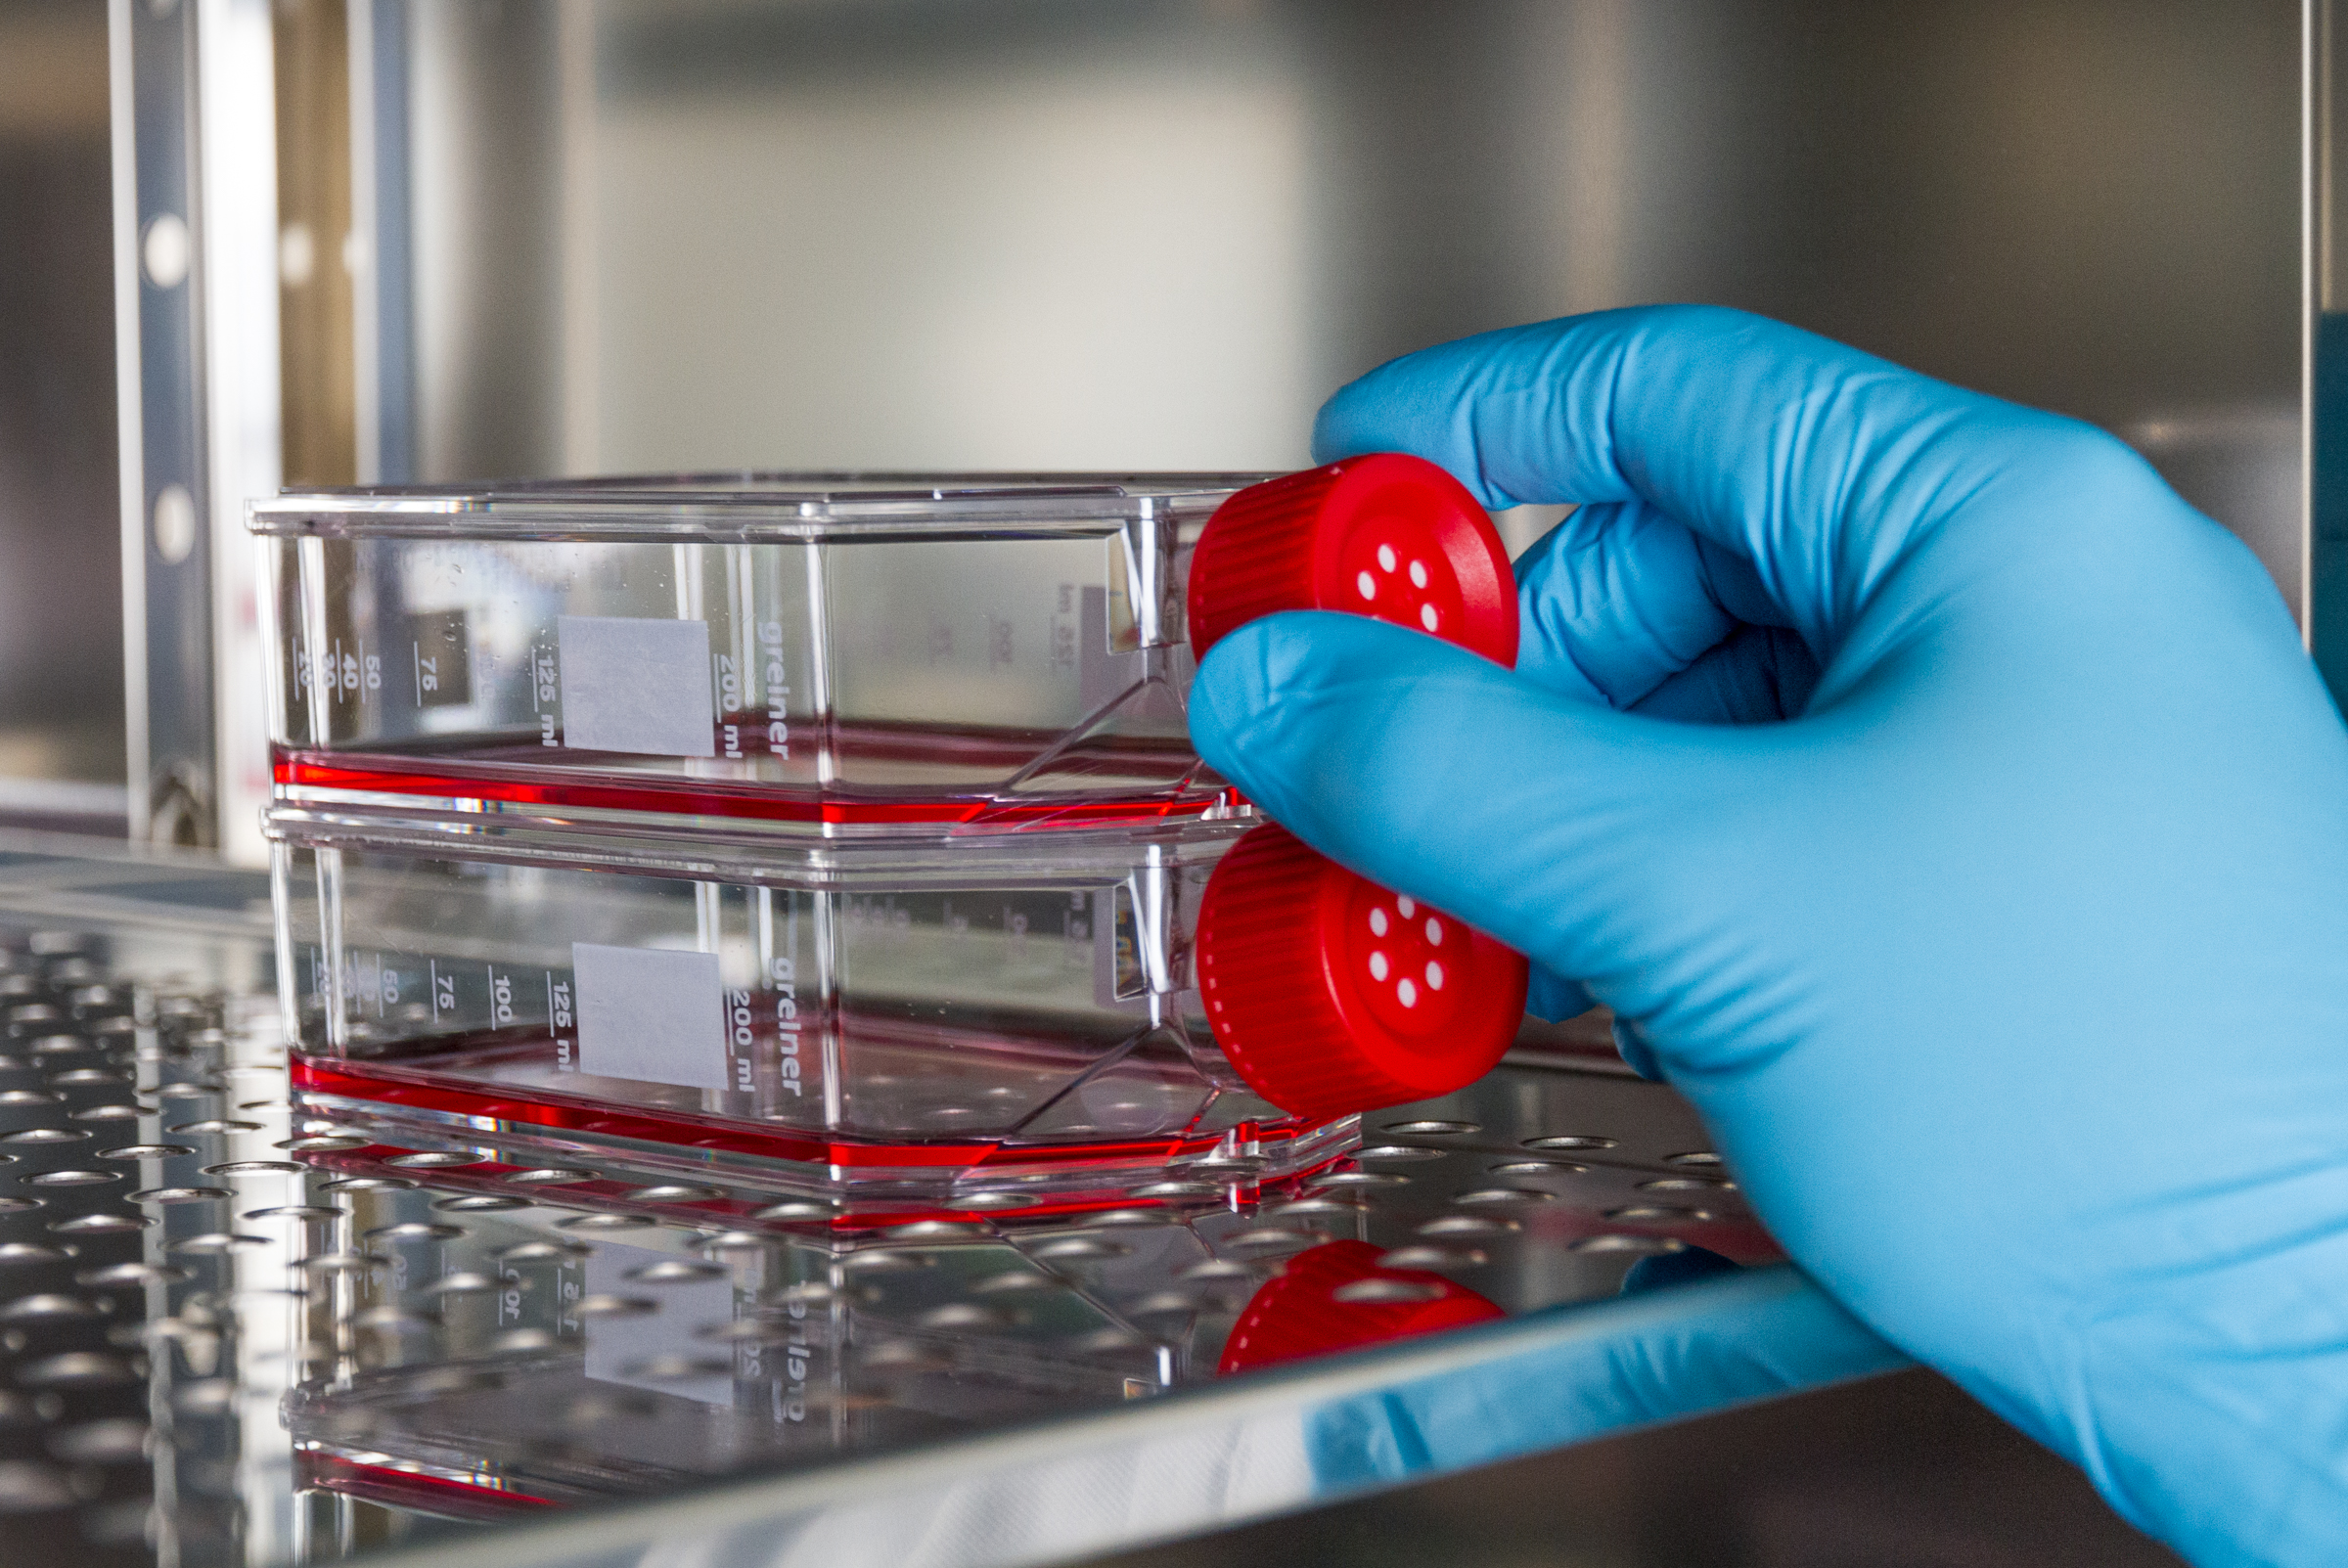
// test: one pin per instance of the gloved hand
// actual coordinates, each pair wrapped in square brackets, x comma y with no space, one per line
[2009,968]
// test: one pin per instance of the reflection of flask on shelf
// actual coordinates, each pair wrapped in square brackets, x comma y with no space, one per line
[504,1355]
[1340,1297]
[821,655]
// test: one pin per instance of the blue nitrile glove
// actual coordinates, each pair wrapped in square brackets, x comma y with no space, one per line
[2011,970]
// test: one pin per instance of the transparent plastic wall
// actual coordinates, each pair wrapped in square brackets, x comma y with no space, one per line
[1026,1001]
[821,658]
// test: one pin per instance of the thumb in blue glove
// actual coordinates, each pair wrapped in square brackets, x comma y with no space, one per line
[1954,815]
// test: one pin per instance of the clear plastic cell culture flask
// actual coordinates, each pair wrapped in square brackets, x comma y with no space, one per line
[823,654]
[994,1023]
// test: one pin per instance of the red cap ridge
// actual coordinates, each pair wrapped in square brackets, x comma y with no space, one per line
[1336,1297]
[1386,535]
[1330,994]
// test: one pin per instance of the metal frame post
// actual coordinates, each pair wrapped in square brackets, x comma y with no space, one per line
[159,370]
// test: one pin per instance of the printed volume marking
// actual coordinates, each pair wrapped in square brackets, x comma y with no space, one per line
[637,686]
[440,658]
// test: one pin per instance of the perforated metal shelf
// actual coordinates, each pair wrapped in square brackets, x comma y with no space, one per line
[233,1329]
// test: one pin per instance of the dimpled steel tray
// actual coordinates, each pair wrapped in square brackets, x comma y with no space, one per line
[231,1330]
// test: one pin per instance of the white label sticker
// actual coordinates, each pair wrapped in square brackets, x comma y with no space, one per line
[637,685]
[642,1352]
[653,1016]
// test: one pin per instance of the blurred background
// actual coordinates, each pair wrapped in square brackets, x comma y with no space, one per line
[61,578]
[254,242]
[536,236]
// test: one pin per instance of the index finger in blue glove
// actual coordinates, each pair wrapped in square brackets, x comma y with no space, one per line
[1819,464]
[1618,598]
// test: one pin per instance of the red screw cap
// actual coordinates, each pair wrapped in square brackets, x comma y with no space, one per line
[1336,1297]
[1331,995]
[1387,536]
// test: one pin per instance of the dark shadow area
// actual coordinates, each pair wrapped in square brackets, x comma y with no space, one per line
[61,585]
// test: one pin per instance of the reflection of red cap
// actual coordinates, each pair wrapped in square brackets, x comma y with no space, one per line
[1387,536]
[1331,995]
[1336,1298]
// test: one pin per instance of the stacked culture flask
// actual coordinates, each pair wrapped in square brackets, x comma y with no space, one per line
[848,831]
